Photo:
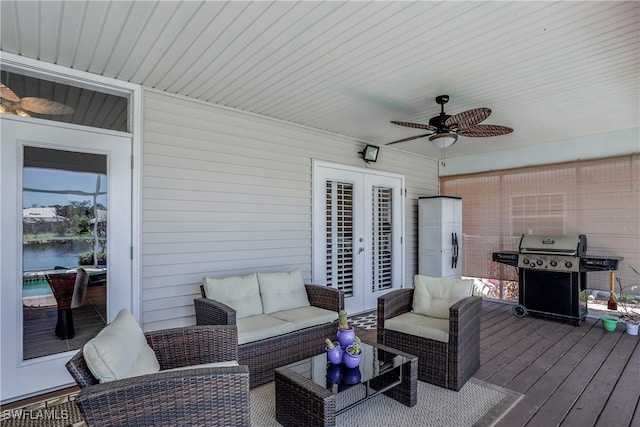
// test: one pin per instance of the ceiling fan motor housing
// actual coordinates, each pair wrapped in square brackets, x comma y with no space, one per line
[438,122]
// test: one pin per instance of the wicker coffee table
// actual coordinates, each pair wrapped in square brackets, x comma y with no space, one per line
[312,392]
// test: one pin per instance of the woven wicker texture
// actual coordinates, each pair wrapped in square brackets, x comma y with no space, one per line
[263,356]
[171,398]
[449,364]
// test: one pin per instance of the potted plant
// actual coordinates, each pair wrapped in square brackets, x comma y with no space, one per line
[334,352]
[353,354]
[629,306]
[346,334]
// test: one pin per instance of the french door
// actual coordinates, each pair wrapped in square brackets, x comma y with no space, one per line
[66,204]
[357,233]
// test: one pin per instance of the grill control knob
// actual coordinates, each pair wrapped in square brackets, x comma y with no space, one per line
[539,262]
[568,264]
[525,261]
[553,263]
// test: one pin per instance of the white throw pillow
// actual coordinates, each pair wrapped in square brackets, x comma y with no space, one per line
[282,291]
[241,293]
[433,296]
[120,350]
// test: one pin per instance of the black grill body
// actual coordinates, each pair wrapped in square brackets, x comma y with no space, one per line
[554,294]
[552,275]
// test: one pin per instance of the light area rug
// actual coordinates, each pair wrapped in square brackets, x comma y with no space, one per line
[478,403]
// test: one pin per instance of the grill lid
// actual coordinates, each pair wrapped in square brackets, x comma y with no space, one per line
[563,244]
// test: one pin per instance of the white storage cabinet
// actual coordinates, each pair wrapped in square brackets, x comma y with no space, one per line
[440,236]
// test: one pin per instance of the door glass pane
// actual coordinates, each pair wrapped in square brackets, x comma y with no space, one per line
[64,229]
[339,235]
[381,262]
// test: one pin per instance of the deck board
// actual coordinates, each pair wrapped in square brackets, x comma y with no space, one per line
[592,401]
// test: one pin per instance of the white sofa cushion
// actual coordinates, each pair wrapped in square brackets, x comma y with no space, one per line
[433,296]
[241,293]
[305,317]
[282,291]
[120,350]
[420,326]
[261,326]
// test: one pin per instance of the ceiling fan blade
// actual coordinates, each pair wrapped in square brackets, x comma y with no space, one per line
[468,118]
[479,131]
[415,125]
[44,106]
[408,139]
[6,93]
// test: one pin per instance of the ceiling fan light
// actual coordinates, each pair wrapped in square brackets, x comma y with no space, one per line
[443,140]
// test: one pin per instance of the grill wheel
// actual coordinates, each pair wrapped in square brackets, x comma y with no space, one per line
[519,310]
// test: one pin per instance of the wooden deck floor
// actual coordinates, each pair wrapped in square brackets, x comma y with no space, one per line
[570,376]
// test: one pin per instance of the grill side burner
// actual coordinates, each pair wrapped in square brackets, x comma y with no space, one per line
[552,275]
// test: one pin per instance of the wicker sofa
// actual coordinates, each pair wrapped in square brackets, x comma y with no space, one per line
[261,345]
[447,344]
[191,395]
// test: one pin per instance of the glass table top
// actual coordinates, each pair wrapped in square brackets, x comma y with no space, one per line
[374,364]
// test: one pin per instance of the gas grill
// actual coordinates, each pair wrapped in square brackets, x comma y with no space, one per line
[552,274]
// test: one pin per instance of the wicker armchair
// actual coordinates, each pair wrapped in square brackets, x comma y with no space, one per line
[444,364]
[188,397]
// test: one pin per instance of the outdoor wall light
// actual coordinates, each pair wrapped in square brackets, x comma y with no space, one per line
[370,153]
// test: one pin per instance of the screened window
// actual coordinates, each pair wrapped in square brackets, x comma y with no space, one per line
[598,198]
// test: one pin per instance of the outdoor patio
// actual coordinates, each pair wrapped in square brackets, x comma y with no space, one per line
[569,375]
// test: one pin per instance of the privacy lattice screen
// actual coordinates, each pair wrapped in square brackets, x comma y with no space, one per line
[598,198]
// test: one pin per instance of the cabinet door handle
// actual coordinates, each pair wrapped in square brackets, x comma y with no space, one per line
[455,249]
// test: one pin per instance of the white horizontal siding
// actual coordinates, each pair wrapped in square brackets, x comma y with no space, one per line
[226,193]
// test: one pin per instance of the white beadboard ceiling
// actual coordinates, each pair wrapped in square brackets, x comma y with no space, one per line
[550,70]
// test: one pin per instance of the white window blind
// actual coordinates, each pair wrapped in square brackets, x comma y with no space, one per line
[598,198]
[381,266]
[339,234]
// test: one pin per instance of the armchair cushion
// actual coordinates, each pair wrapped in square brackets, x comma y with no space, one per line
[282,291]
[421,326]
[120,350]
[241,293]
[434,295]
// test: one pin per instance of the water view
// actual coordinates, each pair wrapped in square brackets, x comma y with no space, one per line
[46,256]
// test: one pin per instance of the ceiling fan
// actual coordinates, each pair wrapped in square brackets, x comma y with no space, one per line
[10,103]
[445,129]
